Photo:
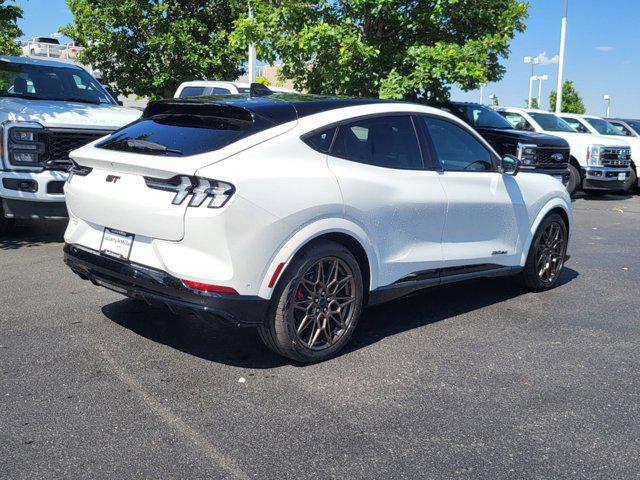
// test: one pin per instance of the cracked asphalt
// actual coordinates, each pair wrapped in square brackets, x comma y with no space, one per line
[475,380]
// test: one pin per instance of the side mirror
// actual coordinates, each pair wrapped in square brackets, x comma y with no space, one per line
[510,165]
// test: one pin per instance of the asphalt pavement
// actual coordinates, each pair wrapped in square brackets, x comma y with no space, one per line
[475,380]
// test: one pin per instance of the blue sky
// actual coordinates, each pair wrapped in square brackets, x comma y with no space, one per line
[602,57]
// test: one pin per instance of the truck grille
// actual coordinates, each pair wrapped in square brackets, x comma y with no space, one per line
[616,157]
[62,141]
[546,158]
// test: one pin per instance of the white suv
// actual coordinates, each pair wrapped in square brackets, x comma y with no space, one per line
[598,164]
[203,88]
[292,213]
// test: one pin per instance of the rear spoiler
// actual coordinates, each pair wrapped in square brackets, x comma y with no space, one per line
[170,108]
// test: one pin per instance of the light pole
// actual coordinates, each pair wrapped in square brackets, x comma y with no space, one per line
[533,61]
[482,85]
[493,98]
[252,57]
[607,98]
[540,79]
[563,39]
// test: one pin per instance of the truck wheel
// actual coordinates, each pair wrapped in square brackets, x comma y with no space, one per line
[574,180]
[546,255]
[316,304]
[6,224]
[630,186]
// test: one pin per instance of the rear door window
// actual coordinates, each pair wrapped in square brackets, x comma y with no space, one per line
[389,142]
[321,141]
[192,92]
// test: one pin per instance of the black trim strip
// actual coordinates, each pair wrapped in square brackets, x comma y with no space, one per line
[431,278]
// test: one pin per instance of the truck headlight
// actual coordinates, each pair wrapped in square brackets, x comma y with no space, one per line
[25,146]
[594,155]
[528,154]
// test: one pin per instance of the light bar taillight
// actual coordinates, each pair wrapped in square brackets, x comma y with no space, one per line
[209,288]
[200,189]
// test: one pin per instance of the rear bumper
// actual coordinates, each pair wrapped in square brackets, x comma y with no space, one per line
[158,287]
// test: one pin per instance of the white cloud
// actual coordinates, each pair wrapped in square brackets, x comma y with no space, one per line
[544,60]
[604,48]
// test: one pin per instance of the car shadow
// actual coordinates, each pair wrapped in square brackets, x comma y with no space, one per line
[608,197]
[33,233]
[242,347]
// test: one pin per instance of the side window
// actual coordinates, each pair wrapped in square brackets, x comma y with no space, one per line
[456,148]
[383,142]
[518,121]
[321,141]
[576,125]
[622,129]
[220,91]
[192,92]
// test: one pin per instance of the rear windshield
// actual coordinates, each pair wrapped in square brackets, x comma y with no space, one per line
[192,92]
[185,130]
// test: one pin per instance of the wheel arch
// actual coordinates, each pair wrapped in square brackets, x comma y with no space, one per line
[556,205]
[341,231]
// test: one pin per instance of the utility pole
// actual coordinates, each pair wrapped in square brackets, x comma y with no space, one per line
[540,79]
[563,39]
[533,61]
[252,57]
[607,98]
[481,94]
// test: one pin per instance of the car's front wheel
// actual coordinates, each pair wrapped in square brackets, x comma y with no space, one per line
[316,304]
[546,255]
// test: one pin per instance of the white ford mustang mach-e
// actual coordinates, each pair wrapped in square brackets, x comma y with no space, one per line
[291,212]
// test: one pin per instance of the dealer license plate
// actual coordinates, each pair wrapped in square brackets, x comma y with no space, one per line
[116,244]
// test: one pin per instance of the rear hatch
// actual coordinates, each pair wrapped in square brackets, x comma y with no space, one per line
[129,181]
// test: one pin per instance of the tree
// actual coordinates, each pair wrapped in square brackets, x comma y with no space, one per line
[149,47]
[9,30]
[534,103]
[495,101]
[387,48]
[571,99]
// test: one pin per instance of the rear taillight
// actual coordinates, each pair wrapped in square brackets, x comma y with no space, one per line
[209,288]
[199,188]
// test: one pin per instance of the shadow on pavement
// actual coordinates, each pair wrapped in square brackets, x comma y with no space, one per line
[33,233]
[242,347]
[608,197]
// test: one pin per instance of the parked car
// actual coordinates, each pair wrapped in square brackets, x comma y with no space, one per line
[47,109]
[630,127]
[292,213]
[538,152]
[598,164]
[600,126]
[200,88]
[42,46]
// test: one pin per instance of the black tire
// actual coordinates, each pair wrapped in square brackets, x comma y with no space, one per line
[631,185]
[597,193]
[575,180]
[285,331]
[532,276]
[6,224]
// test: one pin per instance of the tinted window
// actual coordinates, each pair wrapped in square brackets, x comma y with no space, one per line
[322,140]
[603,127]
[192,92]
[551,122]
[456,148]
[622,128]
[50,83]
[635,124]
[220,91]
[576,125]
[179,134]
[384,142]
[481,116]
[518,121]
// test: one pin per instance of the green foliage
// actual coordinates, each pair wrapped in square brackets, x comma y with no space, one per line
[148,47]
[534,103]
[571,99]
[387,48]
[9,31]
[263,81]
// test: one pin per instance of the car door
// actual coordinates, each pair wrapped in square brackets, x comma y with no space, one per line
[391,190]
[484,206]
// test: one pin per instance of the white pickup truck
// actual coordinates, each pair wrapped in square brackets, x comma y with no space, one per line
[47,109]
[599,164]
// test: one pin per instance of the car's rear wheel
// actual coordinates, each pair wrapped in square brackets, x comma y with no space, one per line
[316,304]
[546,255]
[574,180]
